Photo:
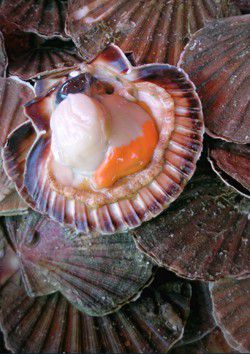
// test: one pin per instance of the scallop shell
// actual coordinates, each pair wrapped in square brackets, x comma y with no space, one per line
[217,60]
[50,324]
[203,235]
[214,342]
[3,57]
[154,30]
[123,212]
[31,56]
[97,274]
[13,94]
[42,17]
[200,321]
[231,310]
[232,163]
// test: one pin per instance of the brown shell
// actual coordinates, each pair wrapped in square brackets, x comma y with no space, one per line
[132,206]
[217,60]
[204,235]
[42,17]
[50,324]
[31,55]
[3,57]
[214,342]
[154,30]
[232,163]
[97,274]
[13,94]
[244,5]
[231,309]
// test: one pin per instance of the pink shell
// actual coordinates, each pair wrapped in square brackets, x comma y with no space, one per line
[180,157]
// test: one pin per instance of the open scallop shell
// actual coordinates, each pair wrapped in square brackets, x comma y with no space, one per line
[133,203]
[232,163]
[13,94]
[43,17]
[51,324]
[97,274]
[217,60]
[3,57]
[204,235]
[231,310]
[154,30]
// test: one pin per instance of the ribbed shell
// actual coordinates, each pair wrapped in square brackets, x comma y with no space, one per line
[3,57]
[217,60]
[50,324]
[200,321]
[179,162]
[214,342]
[154,30]
[232,163]
[231,309]
[97,274]
[43,17]
[204,235]
[13,94]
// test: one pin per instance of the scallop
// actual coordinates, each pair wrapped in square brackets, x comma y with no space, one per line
[147,156]
[97,274]
[153,30]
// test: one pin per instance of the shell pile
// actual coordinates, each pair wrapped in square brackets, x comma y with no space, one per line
[124,176]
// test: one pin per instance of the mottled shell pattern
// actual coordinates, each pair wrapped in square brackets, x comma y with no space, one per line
[133,199]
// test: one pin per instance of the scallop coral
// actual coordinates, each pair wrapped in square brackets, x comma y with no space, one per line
[142,170]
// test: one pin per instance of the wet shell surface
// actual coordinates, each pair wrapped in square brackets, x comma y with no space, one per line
[45,18]
[51,324]
[13,94]
[217,60]
[97,274]
[3,57]
[154,30]
[232,163]
[204,235]
[231,310]
[133,199]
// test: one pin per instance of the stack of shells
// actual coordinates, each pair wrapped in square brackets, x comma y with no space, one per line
[167,269]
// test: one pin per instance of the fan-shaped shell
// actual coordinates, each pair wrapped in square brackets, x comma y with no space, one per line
[134,203]
[38,57]
[3,56]
[232,163]
[204,235]
[154,30]
[43,17]
[13,94]
[98,274]
[217,60]
[231,310]
[50,324]
[244,5]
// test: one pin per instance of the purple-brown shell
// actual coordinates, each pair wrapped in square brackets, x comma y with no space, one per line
[97,274]
[217,60]
[45,18]
[136,205]
[51,324]
[153,30]
[231,310]
[203,235]
[232,163]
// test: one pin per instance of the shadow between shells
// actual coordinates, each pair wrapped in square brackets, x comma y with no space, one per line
[131,277]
